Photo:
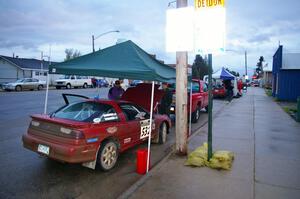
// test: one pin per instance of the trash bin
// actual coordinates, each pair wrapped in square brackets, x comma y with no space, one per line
[141,161]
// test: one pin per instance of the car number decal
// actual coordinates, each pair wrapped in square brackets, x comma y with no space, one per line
[145,128]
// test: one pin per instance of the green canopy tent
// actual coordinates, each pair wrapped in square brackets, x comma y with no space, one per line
[125,60]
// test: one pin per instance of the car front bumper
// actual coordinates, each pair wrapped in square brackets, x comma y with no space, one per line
[61,152]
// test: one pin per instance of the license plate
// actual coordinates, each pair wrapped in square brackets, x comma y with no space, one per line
[43,149]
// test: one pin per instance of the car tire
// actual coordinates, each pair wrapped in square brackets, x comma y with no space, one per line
[40,87]
[68,86]
[163,130]
[84,85]
[196,115]
[108,155]
[18,88]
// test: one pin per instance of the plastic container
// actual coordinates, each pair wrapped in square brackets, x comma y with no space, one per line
[141,161]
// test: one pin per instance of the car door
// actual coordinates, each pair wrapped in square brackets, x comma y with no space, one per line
[35,83]
[27,84]
[134,122]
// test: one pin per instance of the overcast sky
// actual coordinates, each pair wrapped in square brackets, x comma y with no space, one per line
[28,27]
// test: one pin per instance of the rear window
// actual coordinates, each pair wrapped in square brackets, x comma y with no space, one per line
[87,112]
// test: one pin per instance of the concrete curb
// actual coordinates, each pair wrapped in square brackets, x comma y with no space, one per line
[143,179]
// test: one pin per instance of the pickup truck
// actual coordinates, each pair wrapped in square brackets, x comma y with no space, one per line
[74,81]
[199,99]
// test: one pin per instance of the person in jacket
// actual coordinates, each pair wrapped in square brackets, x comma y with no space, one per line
[166,100]
[115,92]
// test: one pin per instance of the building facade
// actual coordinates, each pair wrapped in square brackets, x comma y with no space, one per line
[14,68]
[286,75]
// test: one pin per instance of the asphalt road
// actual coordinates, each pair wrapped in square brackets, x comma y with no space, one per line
[25,174]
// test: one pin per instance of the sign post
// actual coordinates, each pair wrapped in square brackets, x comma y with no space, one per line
[209,37]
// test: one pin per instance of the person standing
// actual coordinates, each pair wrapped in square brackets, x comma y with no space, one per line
[115,92]
[166,100]
[229,89]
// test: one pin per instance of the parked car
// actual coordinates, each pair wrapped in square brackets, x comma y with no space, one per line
[135,82]
[93,131]
[219,91]
[73,81]
[199,99]
[24,84]
[255,83]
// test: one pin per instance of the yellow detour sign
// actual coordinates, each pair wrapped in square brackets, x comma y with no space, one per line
[209,3]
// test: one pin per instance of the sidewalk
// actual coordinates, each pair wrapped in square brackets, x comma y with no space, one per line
[266,144]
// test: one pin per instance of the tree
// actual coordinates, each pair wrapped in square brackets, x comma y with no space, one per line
[259,69]
[71,53]
[199,68]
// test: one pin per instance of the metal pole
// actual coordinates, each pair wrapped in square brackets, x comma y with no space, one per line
[246,62]
[209,139]
[151,114]
[93,44]
[181,96]
[190,115]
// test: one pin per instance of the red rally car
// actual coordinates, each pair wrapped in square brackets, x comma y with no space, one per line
[95,131]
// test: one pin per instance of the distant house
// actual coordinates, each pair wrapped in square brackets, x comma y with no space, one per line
[286,75]
[13,68]
[267,79]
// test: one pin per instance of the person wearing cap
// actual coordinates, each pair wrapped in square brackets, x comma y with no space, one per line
[116,91]
[166,100]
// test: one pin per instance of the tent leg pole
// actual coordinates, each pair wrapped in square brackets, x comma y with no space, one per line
[47,91]
[190,115]
[151,115]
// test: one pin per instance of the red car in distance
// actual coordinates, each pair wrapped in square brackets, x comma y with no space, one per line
[95,131]
[219,91]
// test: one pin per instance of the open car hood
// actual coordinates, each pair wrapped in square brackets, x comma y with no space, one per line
[141,95]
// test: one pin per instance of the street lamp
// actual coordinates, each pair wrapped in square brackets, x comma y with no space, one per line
[94,38]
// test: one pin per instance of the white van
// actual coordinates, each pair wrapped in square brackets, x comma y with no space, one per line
[71,81]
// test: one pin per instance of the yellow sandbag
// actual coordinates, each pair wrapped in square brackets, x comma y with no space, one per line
[221,160]
[195,161]
[198,157]
[216,164]
[223,155]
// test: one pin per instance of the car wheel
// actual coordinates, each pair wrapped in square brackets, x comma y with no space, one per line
[18,88]
[40,87]
[84,85]
[107,155]
[163,129]
[196,115]
[68,86]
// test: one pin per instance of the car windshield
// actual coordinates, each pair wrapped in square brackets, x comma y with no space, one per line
[87,112]
[195,86]
[20,80]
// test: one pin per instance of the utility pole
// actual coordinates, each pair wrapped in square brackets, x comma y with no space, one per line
[181,96]
[246,62]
